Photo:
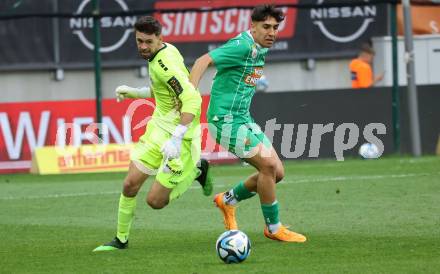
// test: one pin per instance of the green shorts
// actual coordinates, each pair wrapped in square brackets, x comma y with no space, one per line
[239,138]
[178,174]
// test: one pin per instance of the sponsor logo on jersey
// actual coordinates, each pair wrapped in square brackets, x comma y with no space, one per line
[251,79]
[175,85]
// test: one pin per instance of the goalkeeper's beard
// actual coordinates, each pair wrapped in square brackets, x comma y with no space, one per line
[145,54]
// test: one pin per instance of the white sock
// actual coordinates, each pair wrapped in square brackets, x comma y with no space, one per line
[229,198]
[273,228]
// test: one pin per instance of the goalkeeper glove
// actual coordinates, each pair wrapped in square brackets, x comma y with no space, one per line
[171,148]
[124,91]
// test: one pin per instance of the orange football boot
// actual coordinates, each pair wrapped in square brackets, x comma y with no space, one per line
[285,235]
[228,212]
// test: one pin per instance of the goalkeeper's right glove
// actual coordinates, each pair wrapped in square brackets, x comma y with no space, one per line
[124,91]
[171,149]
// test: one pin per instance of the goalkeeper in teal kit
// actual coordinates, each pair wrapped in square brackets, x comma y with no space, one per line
[170,147]
[239,65]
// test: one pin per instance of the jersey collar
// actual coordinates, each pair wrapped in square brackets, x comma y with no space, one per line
[152,57]
[248,32]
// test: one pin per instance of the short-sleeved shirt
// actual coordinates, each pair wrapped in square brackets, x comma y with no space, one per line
[172,90]
[239,63]
[361,74]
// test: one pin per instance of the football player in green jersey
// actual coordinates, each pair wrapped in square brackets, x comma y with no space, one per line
[170,147]
[239,65]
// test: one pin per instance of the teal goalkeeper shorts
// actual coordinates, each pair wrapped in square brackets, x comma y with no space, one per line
[179,173]
[238,137]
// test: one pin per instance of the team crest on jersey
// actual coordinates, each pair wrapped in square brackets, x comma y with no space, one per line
[254,52]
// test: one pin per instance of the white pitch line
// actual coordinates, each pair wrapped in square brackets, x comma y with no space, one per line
[366,177]
[221,185]
[62,195]
[345,178]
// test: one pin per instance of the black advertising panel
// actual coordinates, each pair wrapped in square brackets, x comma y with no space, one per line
[194,33]
[25,42]
[118,45]
[325,32]
[315,31]
[334,108]
[359,108]
[428,98]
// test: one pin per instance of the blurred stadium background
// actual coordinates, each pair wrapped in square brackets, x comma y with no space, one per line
[52,79]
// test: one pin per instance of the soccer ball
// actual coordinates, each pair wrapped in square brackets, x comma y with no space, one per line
[233,246]
[369,151]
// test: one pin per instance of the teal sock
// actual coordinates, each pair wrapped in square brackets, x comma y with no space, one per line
[270,213]
[242,193]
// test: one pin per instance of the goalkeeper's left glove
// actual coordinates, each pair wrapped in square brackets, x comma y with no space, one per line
[171,148]
[124,91]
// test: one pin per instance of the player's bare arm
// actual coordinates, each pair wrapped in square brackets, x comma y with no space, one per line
[199,69]
[186,118]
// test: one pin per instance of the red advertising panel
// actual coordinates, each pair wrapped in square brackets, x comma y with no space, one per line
[25,126]
[215,25]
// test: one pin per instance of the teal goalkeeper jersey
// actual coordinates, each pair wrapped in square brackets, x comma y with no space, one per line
[239,65]
[172,90]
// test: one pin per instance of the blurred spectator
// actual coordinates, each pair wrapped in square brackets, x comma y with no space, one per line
[361,72]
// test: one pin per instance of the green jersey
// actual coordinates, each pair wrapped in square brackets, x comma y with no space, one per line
[239,65]
[172,90]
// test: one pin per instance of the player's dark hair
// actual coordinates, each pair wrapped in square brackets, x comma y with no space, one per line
[148,25]
[261,12]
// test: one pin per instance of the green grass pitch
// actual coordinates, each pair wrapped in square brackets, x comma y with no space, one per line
[360,216]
